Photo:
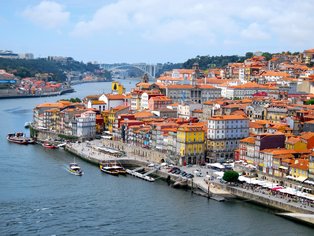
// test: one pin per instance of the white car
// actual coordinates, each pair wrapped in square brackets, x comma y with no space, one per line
[151,165]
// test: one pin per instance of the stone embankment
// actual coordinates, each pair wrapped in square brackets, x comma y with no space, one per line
[89,151]
[131,150]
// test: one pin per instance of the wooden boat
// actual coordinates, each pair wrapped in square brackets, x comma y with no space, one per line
[108,169]
[119,168]
[18,138]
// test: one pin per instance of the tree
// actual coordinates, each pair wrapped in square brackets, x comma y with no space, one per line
[230,176]
[248,55]
[309,102]
[267,55]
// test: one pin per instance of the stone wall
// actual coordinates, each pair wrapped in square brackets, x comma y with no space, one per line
[42,135]
[131,150]
[266,201]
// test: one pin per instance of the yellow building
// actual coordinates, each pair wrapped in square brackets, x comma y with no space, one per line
[105,115]
[113,115]
[190,143]
[295,143]
[311,167]
[117,88]
[300,169]
[51,118]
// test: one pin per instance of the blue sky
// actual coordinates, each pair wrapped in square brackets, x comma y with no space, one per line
[154,30]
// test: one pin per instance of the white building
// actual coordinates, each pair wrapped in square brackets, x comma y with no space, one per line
[192,93]
[85,125]
[246,90]
[113,100]
[224,134]
[185,110]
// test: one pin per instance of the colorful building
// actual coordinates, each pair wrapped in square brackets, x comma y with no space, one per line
[191,144]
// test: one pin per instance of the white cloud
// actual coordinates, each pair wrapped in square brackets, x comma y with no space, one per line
[48,14]
[210,21]
[254,31]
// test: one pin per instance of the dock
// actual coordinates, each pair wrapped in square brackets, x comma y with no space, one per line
[139,175]
[300,217]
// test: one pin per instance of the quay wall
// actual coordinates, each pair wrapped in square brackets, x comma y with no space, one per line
[13,94]
[261,200]
[42,135]
[94,160]
[146,154]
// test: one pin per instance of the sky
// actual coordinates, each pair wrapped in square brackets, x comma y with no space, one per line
[152,31]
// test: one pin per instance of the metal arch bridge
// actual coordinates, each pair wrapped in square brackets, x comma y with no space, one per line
[150,70]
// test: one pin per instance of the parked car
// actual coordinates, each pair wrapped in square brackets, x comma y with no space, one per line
[177,172]
[190,176]
[184,173]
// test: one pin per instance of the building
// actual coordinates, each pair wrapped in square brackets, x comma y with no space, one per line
[251,147]
[299,170]
[146,96]
[84,126]
[113,116]
[192,93]
[185,110]
[308,56]
[224,134]
[113,100]
[191,144]
[247,90]
[159,102]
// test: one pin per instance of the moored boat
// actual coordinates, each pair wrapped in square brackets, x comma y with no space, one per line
[108,169]
[119,168]
[74,169]
[27,125]
[18,138]
[49,145]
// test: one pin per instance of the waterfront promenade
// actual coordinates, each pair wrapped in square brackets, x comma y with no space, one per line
[92,152]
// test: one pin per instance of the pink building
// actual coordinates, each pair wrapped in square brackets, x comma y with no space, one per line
[155,103]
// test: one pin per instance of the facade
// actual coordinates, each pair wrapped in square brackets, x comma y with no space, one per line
[191,144]
[224,134]
[192,93]
[185,110]
[159,102]
[136,100]
[84,126]
[113,100]
[299,170]
[146,96]
[247,90]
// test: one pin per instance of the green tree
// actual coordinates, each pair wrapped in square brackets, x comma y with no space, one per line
[248,55]
[309,102]
[230,176]
[267,55]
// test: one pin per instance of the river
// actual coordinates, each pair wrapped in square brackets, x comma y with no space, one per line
[39,197]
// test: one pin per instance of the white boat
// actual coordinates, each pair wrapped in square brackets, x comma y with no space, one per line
[61,145]
[74,169]
[27,125]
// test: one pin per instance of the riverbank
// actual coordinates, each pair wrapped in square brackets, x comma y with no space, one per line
[90,152]
[10,94]
[76,82]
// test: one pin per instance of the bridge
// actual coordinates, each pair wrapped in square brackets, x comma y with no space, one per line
[149,69]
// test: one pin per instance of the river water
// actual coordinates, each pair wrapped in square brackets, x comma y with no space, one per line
[39,197]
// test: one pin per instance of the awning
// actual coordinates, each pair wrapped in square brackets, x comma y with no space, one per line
[249,161]
[283,167]
[309,182]
[261,164]
[301,178]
